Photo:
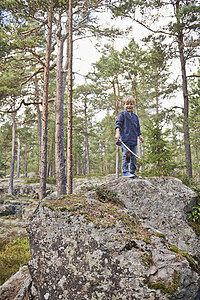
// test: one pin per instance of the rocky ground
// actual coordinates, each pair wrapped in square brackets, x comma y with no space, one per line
[16,210]
[161,206]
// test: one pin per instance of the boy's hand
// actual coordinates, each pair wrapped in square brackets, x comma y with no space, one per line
[141,138]
[117,135]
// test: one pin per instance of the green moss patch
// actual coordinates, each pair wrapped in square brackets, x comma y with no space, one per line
[168,288]
[13,255]
[194,266]
[105,195]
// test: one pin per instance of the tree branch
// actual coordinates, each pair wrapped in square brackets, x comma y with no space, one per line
[28,32]
[194,75]
[154,31]
[40,70]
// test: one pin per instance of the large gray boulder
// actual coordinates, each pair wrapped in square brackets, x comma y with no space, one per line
[131,242]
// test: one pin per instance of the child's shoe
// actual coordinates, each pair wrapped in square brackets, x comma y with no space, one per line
[134,175]
[127,174]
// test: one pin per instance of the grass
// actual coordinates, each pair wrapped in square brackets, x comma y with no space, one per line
[13,255]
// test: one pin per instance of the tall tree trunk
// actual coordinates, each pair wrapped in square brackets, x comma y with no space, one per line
[136,111]
[116,114]
[59,117]
[87,154]
[25,160]
[85,159]
[69,136]
[43,163]
[188,159]
[51,155]
[197,160]
[77,164]
[18,156]
[39,125]
[10,188]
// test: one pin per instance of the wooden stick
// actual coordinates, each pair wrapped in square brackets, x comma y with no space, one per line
[129,149]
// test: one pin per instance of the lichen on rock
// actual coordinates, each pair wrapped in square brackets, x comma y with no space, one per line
[117,247]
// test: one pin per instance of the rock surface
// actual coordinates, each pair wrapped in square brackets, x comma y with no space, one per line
[126,239]
[17,287]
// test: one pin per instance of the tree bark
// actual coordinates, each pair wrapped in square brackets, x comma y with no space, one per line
[43,163]
[59,117]
[18,156]
[25,160]
[51,155]
[10,188]
[188,159]
[136,111]
[116,114]
[39,125]
[69,136]
[87,154]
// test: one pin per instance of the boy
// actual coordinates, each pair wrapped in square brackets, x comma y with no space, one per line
[128,129]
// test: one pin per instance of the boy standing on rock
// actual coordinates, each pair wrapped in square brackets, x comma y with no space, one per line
[127,128]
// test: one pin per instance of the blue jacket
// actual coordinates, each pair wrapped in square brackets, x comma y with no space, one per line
[129,127]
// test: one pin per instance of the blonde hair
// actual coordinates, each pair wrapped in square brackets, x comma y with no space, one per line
[128,100]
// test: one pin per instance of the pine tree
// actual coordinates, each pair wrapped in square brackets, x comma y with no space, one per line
[159,156]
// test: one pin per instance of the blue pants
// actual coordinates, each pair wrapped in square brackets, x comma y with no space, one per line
[133,159]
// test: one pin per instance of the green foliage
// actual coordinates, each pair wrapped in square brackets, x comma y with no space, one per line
[143,70]
[195,214]
[194,123]
[13,255]
[158,154]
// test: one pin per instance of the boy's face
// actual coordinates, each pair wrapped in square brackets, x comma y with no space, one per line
[129,106]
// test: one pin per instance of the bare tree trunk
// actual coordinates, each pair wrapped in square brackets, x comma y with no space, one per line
[116,114]
[77,164]
[10,188]
[18,156]
[188,159]
[136,111]
[87,154]
[84,160]
[25,160]
[59,117]
[51,155]
[69,143]
[43,163]
[39,125]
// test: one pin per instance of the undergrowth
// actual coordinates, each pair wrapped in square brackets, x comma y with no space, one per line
[50,180]
[194,215]
[13,255]
[105,195]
